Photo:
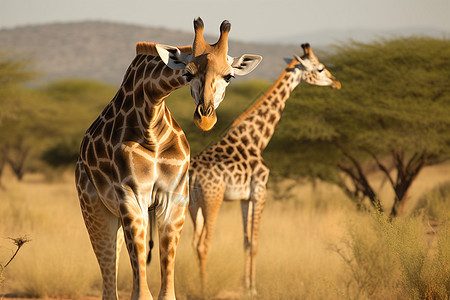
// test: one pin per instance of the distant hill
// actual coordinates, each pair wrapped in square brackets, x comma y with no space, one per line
[365,35]
[103,50]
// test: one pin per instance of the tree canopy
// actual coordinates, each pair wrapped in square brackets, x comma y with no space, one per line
[394,106]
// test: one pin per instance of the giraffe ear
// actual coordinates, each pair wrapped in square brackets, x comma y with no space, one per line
[245,64]
[173,57]
[306,65]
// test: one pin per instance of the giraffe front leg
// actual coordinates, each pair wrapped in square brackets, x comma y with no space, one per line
[134,222]
[251,213]
[104,230]
[170,224]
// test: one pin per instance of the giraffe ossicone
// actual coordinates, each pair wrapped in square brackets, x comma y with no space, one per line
[135,156]
[234,169]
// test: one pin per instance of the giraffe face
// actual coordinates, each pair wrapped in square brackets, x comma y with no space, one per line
[208,70]
[314,72]
[208,77]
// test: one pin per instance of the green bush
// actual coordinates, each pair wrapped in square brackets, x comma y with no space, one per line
[64,152]
[397,258]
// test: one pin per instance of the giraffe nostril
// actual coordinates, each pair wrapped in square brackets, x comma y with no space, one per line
[200,110]
[210,111]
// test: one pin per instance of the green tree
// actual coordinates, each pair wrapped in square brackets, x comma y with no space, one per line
[392,115]
[15,73]
[76,103]
[43,124]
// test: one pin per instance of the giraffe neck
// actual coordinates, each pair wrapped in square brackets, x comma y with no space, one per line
[150,80]
[259,121]
[139,109]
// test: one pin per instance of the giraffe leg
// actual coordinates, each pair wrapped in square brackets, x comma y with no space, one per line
[251,214]
[210,209]
[134,221]
[104,232]
[170,224]
[196,213]
[120,240]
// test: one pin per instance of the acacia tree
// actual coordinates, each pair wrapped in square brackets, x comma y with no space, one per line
[76,102]
[391,115]
[15,72]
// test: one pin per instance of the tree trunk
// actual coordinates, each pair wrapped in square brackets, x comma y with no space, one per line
[406,174]
[362,187]
[3,157]
[18,162]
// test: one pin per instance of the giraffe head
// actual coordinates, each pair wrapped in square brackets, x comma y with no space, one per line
[208,70]
[314,72]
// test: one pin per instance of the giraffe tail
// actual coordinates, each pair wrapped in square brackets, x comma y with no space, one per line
[151,217]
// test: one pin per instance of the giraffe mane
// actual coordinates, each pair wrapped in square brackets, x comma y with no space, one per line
[150,49]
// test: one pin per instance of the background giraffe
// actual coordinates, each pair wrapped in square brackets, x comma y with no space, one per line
[234,169]
[135,155]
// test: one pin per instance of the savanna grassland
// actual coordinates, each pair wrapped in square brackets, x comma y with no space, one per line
[313,245]
[332,228]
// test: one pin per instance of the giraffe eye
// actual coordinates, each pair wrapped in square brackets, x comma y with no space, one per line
[320,69]
[188,76]
[228,77]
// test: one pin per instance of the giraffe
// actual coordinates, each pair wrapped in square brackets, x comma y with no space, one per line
[234,169]
[135,156]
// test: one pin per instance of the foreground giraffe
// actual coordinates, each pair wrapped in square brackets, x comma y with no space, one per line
[135,155]
[234,169]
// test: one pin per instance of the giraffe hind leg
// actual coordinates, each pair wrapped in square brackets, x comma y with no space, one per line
[210,209]
[196,213]
[251,214]
[104,232]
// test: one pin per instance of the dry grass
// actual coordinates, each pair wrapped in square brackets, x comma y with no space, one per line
[297,256]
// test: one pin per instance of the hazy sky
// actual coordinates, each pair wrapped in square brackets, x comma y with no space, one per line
[251,19]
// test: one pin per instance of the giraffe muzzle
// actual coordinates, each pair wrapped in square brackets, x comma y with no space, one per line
[336,85]
[205,117]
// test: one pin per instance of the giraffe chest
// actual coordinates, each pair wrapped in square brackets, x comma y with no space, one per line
[134,170]
[165,167]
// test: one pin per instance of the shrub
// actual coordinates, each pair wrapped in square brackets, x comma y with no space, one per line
[392,257]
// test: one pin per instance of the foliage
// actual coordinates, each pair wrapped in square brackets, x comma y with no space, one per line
[15,73]
[391,114]
[77,103]
[63,152]
[392,257]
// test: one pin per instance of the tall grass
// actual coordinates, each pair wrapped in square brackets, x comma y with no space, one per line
[313,245]
[59,260]
[402,257]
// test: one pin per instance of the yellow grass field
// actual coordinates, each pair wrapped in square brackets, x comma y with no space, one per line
[303,241]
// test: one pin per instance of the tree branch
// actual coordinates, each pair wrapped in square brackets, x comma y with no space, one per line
[359,179]
[381,166]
